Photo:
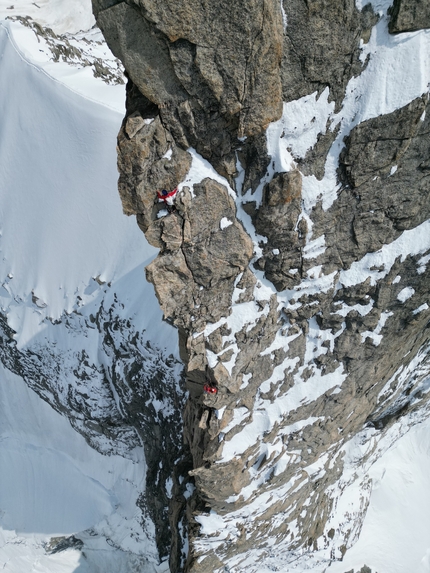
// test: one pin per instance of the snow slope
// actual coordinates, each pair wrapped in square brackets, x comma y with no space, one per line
[60,15]
[395,537]
[61,219]
[54,484]
[66,248]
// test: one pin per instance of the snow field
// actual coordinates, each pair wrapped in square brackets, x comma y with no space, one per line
[66,251]
[61,16]
[54,484]
[68,190]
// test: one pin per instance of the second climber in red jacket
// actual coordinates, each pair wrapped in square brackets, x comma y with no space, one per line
[167,197]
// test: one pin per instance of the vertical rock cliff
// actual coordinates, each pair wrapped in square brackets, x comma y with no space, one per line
[294,264]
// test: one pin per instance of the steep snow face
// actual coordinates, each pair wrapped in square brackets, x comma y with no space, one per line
[396,530]
[55,485]
[52,172]
[86,328]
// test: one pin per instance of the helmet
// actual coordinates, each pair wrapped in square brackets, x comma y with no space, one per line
[164,192]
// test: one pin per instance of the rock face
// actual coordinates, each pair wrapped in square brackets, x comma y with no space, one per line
[204,249]
[208,67]
[336,32]
[307,310]
[407,16]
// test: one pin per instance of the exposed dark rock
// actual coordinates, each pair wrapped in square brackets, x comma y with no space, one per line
[315,159]
[209,92]
[409,15]
[378,144]
[321,46]
[148,160]
[58,544]
[364,569]
[386,184]
[278,220]
[255,160]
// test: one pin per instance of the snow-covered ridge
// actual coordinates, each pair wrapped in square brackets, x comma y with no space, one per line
[80,61]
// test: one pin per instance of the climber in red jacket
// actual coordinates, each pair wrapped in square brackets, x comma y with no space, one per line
[209,388]
[167,197]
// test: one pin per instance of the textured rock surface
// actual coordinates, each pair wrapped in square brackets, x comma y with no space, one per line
[385,176]
[278,219]
[195,273]
[336,31]
[409,15]
[310,317]
[208,67]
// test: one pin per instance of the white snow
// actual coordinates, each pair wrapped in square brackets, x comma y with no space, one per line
[314,248]
[422,264]
[360,308]
[62,16]
[80,79]
[54,484]
[199,170]
[284,16]
[421,308]
[297,130]
[376,335]
[224,223]
[66,250]
[396,531]
[219,413]
[245,314]
[405,294]
[65,246]
[377,265]
[63,202]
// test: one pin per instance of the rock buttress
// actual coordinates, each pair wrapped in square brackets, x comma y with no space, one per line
[316,330]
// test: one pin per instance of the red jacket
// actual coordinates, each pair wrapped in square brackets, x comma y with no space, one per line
[167,198]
